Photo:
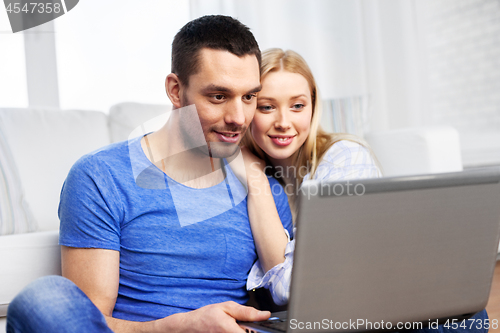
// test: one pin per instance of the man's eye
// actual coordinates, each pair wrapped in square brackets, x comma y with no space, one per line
[249,97]
[218,97]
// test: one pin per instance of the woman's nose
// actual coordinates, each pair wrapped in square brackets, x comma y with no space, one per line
[282,121]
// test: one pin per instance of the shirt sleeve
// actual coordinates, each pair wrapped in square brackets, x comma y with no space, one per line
[277,279]
[89,210]
[346,160]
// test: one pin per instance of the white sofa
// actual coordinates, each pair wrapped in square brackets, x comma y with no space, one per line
[411,151]
[45,143]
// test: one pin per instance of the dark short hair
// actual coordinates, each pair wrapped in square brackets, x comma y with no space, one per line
[215,32]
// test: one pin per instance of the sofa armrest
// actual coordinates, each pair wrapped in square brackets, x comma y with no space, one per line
[26,257]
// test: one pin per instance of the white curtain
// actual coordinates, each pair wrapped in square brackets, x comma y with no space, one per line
[328,34]
[355,48]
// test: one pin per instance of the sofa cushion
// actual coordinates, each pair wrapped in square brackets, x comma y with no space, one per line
[45,144]
[412,151]
[124,118]
[25,258]
[15,214]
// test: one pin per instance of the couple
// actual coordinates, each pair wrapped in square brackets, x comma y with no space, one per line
[129,264]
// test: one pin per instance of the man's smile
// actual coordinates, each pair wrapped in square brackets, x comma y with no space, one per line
[231,137]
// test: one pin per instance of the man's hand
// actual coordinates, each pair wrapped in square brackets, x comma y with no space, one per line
[219,317]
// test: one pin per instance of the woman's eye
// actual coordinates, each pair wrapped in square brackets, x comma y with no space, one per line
[249,97]
[265,108]
[298,106]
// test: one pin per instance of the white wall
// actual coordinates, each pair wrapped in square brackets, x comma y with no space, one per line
[462,49]
[433,63]
[13,87]
[116,50]
[42,66]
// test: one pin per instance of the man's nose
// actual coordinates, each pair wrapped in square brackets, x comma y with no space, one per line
[234,113]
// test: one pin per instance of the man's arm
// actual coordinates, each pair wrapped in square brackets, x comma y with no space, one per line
[96,273]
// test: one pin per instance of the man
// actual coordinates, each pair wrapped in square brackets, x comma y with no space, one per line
[155,230]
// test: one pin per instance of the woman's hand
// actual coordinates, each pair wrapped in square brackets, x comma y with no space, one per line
[267,229]
[250,159]
[251,172]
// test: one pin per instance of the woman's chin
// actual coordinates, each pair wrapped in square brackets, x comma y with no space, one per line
[278,157]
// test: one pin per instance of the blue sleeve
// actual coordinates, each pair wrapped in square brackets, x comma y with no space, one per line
[281,201]
[89,209]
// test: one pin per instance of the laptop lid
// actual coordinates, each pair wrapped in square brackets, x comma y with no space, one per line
[405,249]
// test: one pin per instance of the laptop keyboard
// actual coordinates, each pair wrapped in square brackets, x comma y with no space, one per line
[277,324]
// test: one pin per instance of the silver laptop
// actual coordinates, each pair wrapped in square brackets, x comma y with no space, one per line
[382,253]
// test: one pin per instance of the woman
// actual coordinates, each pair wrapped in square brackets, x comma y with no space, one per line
[285,133]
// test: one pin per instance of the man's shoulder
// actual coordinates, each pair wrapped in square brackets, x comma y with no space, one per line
[112,156]
[276,186]
[113,152]
[278,191]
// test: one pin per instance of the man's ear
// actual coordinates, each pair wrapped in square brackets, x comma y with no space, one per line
[173,89]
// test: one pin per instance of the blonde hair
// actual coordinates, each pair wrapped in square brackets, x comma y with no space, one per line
[318,141]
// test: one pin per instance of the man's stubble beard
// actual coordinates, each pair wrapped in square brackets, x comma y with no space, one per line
[214,149]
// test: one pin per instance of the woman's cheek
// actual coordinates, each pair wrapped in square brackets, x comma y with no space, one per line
[258,126]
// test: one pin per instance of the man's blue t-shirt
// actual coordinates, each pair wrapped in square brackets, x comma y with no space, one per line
[180,248]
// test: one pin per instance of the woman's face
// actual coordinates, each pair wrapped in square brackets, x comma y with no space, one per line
[283,117]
